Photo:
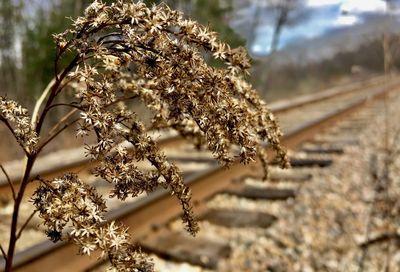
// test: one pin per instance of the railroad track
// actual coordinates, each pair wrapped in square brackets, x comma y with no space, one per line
[74,160]
[150,232]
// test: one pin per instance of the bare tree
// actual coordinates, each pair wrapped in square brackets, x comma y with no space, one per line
[274,13]
[288,12]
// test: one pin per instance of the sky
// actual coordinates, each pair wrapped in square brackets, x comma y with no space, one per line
[321,17]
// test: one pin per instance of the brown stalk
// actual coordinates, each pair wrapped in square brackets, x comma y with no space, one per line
[31,158]
[62,120]
[9,181]
[49,139]
[54,91]
[17,204]
[3,253]
[13,133]
[26,223]
[381,238]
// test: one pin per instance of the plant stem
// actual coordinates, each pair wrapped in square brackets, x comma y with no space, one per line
[54,92]
[3,253]
[26,224]
[9,181]
[17,204]
[13,133]
[48,140]
[31,157]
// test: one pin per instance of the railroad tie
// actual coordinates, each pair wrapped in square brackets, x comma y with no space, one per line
[183,158]
[292,177]
[336,141]
[322,150]
[238,218]
[310,162]
[350,127]
[184,248]
[348,131]
[264,193]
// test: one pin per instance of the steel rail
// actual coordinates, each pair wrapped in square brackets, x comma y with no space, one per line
[159,207]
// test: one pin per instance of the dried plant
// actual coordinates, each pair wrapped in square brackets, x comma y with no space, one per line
[123,52]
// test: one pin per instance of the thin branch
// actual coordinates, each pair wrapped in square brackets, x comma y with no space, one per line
[53,94]
[3,252]
[26,224]
[5,121]
[66,105]
[55,134]
[394,152]
[62,50]
[121,99]
[48,140]
[68,81]
[48,184]
[41,100]
[108,35]
[376,179]
[62,120]
[9,181]
[380,239]
[10,128]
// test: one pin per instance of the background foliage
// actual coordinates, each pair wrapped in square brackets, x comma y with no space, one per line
[27,48]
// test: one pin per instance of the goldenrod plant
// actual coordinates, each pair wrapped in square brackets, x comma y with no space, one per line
[122,52]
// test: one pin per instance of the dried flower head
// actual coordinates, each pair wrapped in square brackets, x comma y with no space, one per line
[128,51]
[17,120]
[66,203]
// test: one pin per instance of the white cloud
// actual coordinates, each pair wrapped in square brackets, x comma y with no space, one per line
[347,20]
[259,49]
[360,6]
[356,6]
[319,3]
[329,15]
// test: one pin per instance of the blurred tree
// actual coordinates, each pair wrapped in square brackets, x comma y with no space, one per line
[38,48]
[212,12]
[277,14]
[288,12]
[274,15]
[9,17]
[216,13]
